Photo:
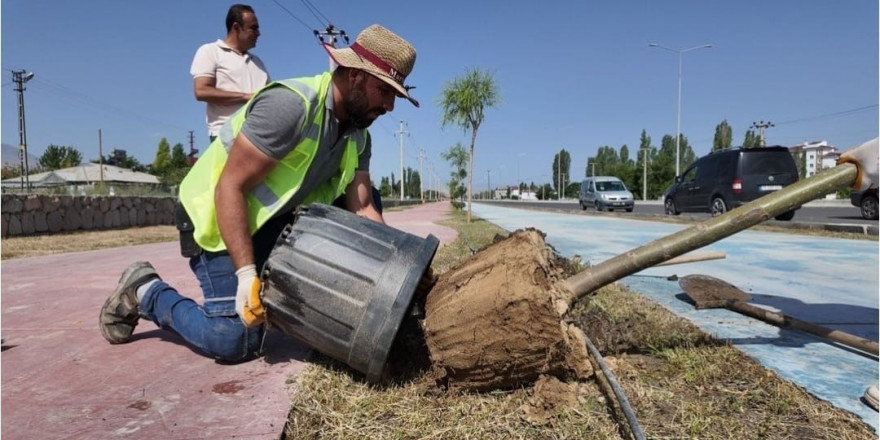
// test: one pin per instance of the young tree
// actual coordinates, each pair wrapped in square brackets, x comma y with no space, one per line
[605,163]
[561,170]
[751,140]
[119,158]
[626,167]
[687,153]
[57,157]
[464,101]
[178,157]
[662,167]
[162,162]
[723,136]
[646,151]
[457,156]
[413,183]
[385,189]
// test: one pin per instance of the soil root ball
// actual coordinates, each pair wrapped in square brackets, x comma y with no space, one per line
[492,322]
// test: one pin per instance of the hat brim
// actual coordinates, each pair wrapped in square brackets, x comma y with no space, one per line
[348,58]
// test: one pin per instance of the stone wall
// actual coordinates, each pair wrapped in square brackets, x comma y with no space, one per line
[44,214]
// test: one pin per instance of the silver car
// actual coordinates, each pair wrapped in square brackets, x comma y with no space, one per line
[605,192]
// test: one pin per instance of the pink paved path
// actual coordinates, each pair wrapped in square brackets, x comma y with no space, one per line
[61,380]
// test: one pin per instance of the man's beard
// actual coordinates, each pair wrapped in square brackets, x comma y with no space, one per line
[356,107]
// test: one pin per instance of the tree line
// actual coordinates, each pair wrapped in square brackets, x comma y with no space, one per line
[170,164]
[647,170]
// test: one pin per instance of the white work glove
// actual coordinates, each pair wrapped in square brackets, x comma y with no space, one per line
[865,158]
[247,297]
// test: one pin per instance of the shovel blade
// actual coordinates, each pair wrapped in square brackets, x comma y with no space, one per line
[709,292]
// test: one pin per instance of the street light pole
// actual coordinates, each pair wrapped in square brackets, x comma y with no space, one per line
[678,122]
[489,183]
[20,77]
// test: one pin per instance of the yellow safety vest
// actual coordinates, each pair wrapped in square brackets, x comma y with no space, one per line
[269,196]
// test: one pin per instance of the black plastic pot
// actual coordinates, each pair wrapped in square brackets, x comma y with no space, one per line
[342,284]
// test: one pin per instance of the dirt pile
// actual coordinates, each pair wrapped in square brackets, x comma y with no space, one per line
[493,322]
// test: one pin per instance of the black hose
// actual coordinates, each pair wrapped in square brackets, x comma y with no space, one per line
[634,426]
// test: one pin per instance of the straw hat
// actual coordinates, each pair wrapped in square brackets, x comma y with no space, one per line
[381,53]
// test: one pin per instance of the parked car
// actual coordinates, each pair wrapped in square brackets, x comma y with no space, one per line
[727,179]
[866,201]
[605,192]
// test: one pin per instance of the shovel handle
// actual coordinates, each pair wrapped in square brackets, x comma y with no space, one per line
[781,320]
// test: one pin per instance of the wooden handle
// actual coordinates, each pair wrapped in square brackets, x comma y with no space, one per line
[781,320]
[693,258]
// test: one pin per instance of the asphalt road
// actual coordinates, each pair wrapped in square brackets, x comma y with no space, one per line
[820,212]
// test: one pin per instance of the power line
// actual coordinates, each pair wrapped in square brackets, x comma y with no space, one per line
[294,16]
[82,99]
[829,115]
[313,10]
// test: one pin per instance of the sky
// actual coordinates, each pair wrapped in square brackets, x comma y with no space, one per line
[574,75]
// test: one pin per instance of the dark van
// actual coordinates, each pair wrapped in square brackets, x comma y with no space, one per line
[726,179]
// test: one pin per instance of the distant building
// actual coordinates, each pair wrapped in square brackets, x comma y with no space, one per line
[84,175]
[813,157]
[816,156]
[512,192]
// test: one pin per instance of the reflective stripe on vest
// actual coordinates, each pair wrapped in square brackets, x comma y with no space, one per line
[269,196]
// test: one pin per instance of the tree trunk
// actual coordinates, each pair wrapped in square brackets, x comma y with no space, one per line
[471,173]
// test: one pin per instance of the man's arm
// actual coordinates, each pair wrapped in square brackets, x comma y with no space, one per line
[246,167]
[359,197]
[205,89]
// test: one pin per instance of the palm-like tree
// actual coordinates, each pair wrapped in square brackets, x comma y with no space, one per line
[464,101]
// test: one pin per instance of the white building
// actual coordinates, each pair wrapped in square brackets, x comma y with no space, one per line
[818,156]
[502,193]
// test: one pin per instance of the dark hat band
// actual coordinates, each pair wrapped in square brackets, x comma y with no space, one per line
[378,62]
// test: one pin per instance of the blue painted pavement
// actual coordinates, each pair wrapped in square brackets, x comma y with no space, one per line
[827,281]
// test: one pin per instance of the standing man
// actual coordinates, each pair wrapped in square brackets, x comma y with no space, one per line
[297,141]
[225,74]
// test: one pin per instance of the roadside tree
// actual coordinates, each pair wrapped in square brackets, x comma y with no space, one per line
[457,156]
[57,157]
[723,136]
[464,101]
[561,172]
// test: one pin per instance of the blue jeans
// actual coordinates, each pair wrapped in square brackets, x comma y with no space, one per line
[214,328]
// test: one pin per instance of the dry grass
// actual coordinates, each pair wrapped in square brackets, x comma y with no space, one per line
[681,383]
[41,245]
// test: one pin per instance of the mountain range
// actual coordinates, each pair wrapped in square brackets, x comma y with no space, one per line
[11,159]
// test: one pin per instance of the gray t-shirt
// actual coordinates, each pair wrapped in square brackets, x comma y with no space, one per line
[274,125]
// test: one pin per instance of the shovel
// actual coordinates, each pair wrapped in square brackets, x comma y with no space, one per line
[709,292]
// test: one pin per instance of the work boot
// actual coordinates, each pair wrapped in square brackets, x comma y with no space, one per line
[119,316]
[872,394]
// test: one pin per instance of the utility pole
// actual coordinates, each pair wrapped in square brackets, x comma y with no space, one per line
[400,134]
[435,186]
[645,174]
[101,157]
[331,33]
[20,77]
[489,183]
[191,157]
[761,126]
[421,174]
[559,175]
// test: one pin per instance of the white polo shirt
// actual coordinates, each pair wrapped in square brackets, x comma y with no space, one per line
[231,71]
